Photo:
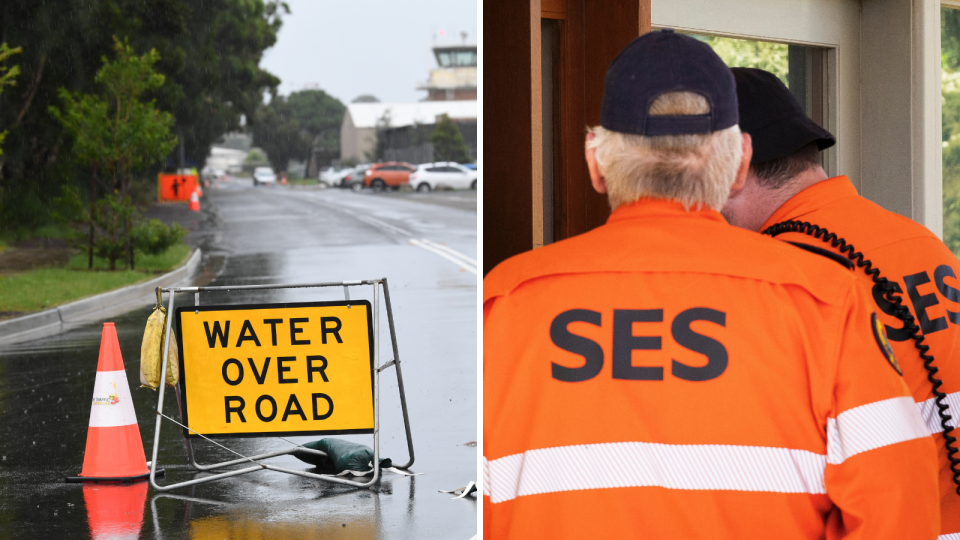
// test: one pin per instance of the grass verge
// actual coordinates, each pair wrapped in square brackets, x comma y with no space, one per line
[48,287]
[172,258]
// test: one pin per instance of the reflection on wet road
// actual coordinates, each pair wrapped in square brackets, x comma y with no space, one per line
[271,235]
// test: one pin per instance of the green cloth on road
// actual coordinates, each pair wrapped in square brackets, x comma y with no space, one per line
[341,456]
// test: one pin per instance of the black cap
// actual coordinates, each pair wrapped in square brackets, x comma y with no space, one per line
[660,62]
[773,117]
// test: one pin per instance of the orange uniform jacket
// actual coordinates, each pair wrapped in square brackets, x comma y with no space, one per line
[670,376]
[925,272]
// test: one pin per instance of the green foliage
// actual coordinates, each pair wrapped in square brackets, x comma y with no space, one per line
[112,219]
[772,57]
[210,53]
[111,214]
[950,91]
[320,115]
[7,76]
[447,142]
[277,131]
[214,67]
[117,134]
[71,210]
[114,130]
[377,151]
[153,237]
[255,156]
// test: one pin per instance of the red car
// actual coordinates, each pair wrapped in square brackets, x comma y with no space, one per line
[389,174]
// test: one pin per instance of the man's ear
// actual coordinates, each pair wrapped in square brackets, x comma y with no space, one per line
[596,178]
[744,167]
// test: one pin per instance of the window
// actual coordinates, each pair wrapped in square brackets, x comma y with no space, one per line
[799,67]
[950,92]
[465,57]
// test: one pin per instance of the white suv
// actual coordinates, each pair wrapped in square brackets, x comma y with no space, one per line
[263,175]
[430,176]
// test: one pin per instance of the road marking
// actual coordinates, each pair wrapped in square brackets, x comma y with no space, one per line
[386,226]
[454,256]
[461,260]
[264,218]
[442,247]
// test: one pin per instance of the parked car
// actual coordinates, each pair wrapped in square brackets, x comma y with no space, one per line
[353,179]
[471,166]
[390,174]
[333,176]
[430,176]
[263,175]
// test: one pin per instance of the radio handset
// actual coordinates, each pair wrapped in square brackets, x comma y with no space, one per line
[901,312]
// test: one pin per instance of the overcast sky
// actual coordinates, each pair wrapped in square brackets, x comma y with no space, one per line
[378,47]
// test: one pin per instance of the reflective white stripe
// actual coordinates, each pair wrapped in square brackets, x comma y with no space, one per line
[112,404]
[928,411]
[871,426]
[637,464]
[486,477]
[951,536]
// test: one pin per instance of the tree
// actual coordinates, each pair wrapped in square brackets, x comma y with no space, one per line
[772,57]
[950,90]
[116,133]
[319,115]
[447,142]
[278,133]
[210,53]
[7,75]
[214,67]
[384,123]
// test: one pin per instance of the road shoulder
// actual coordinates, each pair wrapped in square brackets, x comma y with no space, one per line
[61,318]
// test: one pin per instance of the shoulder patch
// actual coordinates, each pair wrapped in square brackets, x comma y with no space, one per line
[880,335]
[835,257]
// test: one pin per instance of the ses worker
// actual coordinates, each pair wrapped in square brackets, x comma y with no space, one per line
[667,375]
[787,194]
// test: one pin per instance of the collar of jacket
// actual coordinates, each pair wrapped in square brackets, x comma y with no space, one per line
[811,199]
[648,207]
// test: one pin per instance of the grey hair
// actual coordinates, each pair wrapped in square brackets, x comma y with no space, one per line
[695,170]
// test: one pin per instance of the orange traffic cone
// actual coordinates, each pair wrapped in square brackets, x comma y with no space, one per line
[199,190]
[115,511]
[114,451]
[194,202]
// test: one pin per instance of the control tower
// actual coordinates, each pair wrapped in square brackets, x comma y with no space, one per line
[456,76]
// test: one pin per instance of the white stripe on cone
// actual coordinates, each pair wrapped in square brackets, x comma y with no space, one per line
[112,403]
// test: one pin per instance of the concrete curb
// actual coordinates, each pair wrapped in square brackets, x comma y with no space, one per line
[58,319]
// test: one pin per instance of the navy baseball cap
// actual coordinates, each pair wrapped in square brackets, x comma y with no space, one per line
[660,62]
[773,117]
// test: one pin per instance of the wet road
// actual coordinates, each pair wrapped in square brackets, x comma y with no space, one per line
[425,244]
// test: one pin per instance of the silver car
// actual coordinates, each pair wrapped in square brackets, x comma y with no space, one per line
[263,175]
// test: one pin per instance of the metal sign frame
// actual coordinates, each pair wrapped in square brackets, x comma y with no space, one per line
[256,460]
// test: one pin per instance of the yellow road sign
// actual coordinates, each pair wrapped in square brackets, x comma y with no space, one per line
[277,369]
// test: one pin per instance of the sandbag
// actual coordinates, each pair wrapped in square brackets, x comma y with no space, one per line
[151,350]
[341,456]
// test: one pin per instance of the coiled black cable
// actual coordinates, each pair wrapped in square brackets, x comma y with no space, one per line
[902,313]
